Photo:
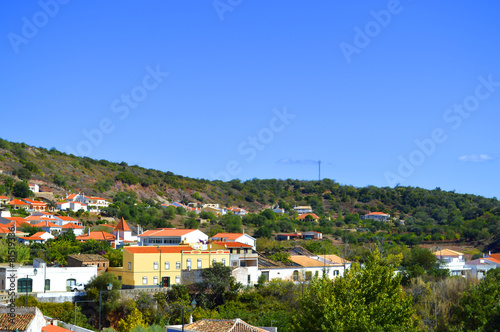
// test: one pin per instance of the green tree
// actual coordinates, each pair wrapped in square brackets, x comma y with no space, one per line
[368,298]
[22,190]
[479,308]
[218,285]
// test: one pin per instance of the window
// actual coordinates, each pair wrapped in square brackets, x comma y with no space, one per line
[188,263]
[69,283]
[214,261]
[177,279]
[129,265]
[248,279]
[295,275]
[266,274]
[178,265]
[144,280]
[167,265]
[155,280]
[224,261]
[199,263]
[47,284]
[24,285]
[155,266]
[309,275]
[335,272]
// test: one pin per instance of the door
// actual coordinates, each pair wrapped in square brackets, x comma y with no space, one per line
[166,282]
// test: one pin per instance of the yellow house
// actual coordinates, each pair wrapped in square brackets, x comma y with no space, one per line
[150,266]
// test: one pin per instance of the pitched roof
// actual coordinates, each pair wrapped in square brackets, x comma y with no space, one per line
[496,256]
[447,253]
[154,249]
[70,225]
[89,257]
[304,215]
[99,236]
[17,202]
[65,218]
[222,325]
[20,222]
[20,322]
[228,236]
[122,226]
[47,223]
[307,261]
[35,237]
[167,232]
[3,197]
[377,214]
[233,244]
[493,260]
[335,259]
[54,328]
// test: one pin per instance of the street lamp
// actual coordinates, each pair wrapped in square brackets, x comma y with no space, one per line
[193,305]
[110,287]
[27,278]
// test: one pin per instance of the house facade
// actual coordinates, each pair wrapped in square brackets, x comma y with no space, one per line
[236,237]
[36,277]
[171,236]
[162,266]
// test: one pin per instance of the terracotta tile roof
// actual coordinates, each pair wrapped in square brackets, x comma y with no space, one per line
[97,198]
[494,260]
[447,253]
[227,236]
[3,197]
[307,261]
[335,259]
[32,202]
[20,322]
[89,258]
[377,214]
[5,230]
[71,196]
[304,215]
[167,232]
[47,223]
[99,236]
[222,325]
[65,218]
[233,244]
[496,256]
[154,249]
[17,202]
[53,328]
[70,225]
[20,222]
[122,226]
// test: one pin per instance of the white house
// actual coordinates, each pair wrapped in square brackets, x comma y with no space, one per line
[34,187]
[380,216]
[49,227]
[39,237]
[303,209]
[123,232]
[305,269]
[77,206]
[236,237]
[171,236]
[77,229]
[453,261]
[33,278]
[63,206]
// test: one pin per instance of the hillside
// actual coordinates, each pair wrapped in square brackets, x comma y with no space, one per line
[437,214]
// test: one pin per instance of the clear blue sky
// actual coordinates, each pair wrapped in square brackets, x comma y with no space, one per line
[244,89]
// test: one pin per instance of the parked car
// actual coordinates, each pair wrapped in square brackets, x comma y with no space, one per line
[77,287]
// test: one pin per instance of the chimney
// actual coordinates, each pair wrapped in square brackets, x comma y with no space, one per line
[88,232]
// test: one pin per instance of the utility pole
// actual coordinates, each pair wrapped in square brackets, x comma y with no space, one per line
[319,170]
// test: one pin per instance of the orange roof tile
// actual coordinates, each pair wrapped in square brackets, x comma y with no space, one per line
[377,213]
[53,328]
[99,236]
[122,226]
[66,218]
[304,215]
[233,244]
[494,260]
[70,225]
[228,236]
[3,197]
[46,224]
[496,256]
[17,202]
